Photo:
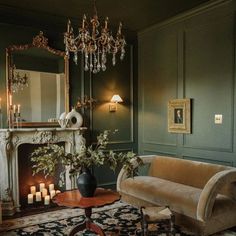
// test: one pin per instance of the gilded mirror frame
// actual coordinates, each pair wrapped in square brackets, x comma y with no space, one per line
[39,41]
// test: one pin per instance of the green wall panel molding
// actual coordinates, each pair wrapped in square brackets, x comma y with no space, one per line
[158,70]
[149,152]
[193,57]
[115,80]
[208,160]
[209,80]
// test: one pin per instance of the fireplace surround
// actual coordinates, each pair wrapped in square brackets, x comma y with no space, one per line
[11,139]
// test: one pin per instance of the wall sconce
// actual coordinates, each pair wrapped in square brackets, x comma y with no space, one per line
[114,100]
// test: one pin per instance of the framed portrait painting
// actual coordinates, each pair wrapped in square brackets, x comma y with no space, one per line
[179,116]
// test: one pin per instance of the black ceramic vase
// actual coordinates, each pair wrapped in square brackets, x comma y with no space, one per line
[86,183]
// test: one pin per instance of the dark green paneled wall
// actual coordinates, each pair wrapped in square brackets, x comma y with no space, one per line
[102,86]
[191,56]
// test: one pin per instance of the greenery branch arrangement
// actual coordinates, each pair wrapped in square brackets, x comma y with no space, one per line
[46,159]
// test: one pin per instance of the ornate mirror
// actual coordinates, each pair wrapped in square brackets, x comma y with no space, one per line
[37,83]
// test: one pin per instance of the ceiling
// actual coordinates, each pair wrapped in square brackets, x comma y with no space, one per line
[135,15]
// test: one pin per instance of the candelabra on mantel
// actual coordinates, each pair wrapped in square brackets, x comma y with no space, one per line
[14,114]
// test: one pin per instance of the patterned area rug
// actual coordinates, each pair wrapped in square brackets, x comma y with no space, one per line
[116,219]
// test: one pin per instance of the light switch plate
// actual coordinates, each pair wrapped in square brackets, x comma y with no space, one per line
[218,118]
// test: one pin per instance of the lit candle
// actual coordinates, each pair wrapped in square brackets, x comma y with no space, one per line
[47,200]
[14,108]
[44,192]
[0,103]
[58,191]
[30,198]
[51,187]
[38,196]
[41,186]
[52,193]
[33,190]
[18,108]
[10,100]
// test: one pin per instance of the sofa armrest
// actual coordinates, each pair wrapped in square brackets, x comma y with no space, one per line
[211,189]
[123,175]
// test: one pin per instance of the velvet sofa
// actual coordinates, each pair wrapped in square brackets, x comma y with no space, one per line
[201,195]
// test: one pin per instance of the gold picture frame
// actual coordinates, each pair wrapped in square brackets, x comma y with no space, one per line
[179,116]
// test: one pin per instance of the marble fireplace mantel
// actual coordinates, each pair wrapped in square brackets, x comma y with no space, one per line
[11,139]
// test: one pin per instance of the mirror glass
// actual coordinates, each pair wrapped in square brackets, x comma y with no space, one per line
[37,81]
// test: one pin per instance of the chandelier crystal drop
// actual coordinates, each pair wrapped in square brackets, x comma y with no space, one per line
[94,42]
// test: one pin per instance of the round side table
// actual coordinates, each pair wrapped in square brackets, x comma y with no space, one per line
[73,198]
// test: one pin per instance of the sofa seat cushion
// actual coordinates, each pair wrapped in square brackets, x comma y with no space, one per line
[180,198]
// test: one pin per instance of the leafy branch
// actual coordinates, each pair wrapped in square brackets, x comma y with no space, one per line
[47,158]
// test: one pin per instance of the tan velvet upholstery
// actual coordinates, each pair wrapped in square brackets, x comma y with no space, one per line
[202,194]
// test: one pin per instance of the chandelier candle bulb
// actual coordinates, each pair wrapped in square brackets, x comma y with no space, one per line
[47,200]
[44,192]
[51,187]
[38,197]
[41,186]
[52,193]
[30,198]
[33,190]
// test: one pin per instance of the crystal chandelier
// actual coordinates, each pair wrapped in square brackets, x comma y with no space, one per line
[18,82]
[94,43]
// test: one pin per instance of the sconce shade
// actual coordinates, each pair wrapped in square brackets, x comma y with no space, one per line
[116,98]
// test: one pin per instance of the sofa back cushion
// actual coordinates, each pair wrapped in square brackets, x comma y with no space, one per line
[192,173]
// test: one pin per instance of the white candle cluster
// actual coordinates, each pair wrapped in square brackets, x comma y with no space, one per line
[42,193]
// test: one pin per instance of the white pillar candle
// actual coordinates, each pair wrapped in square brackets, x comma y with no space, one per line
[51,187]
[18,108]
[10,100]
[47,200]
[53,193]
[58,191]
[41,186]
[14,108]
[30,198]
[38,196]
[33,190]
[44,192]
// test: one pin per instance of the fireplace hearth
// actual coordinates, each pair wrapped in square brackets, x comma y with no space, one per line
[27,180]
[15,168]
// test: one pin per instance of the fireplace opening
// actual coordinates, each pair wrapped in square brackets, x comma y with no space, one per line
[27,180]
